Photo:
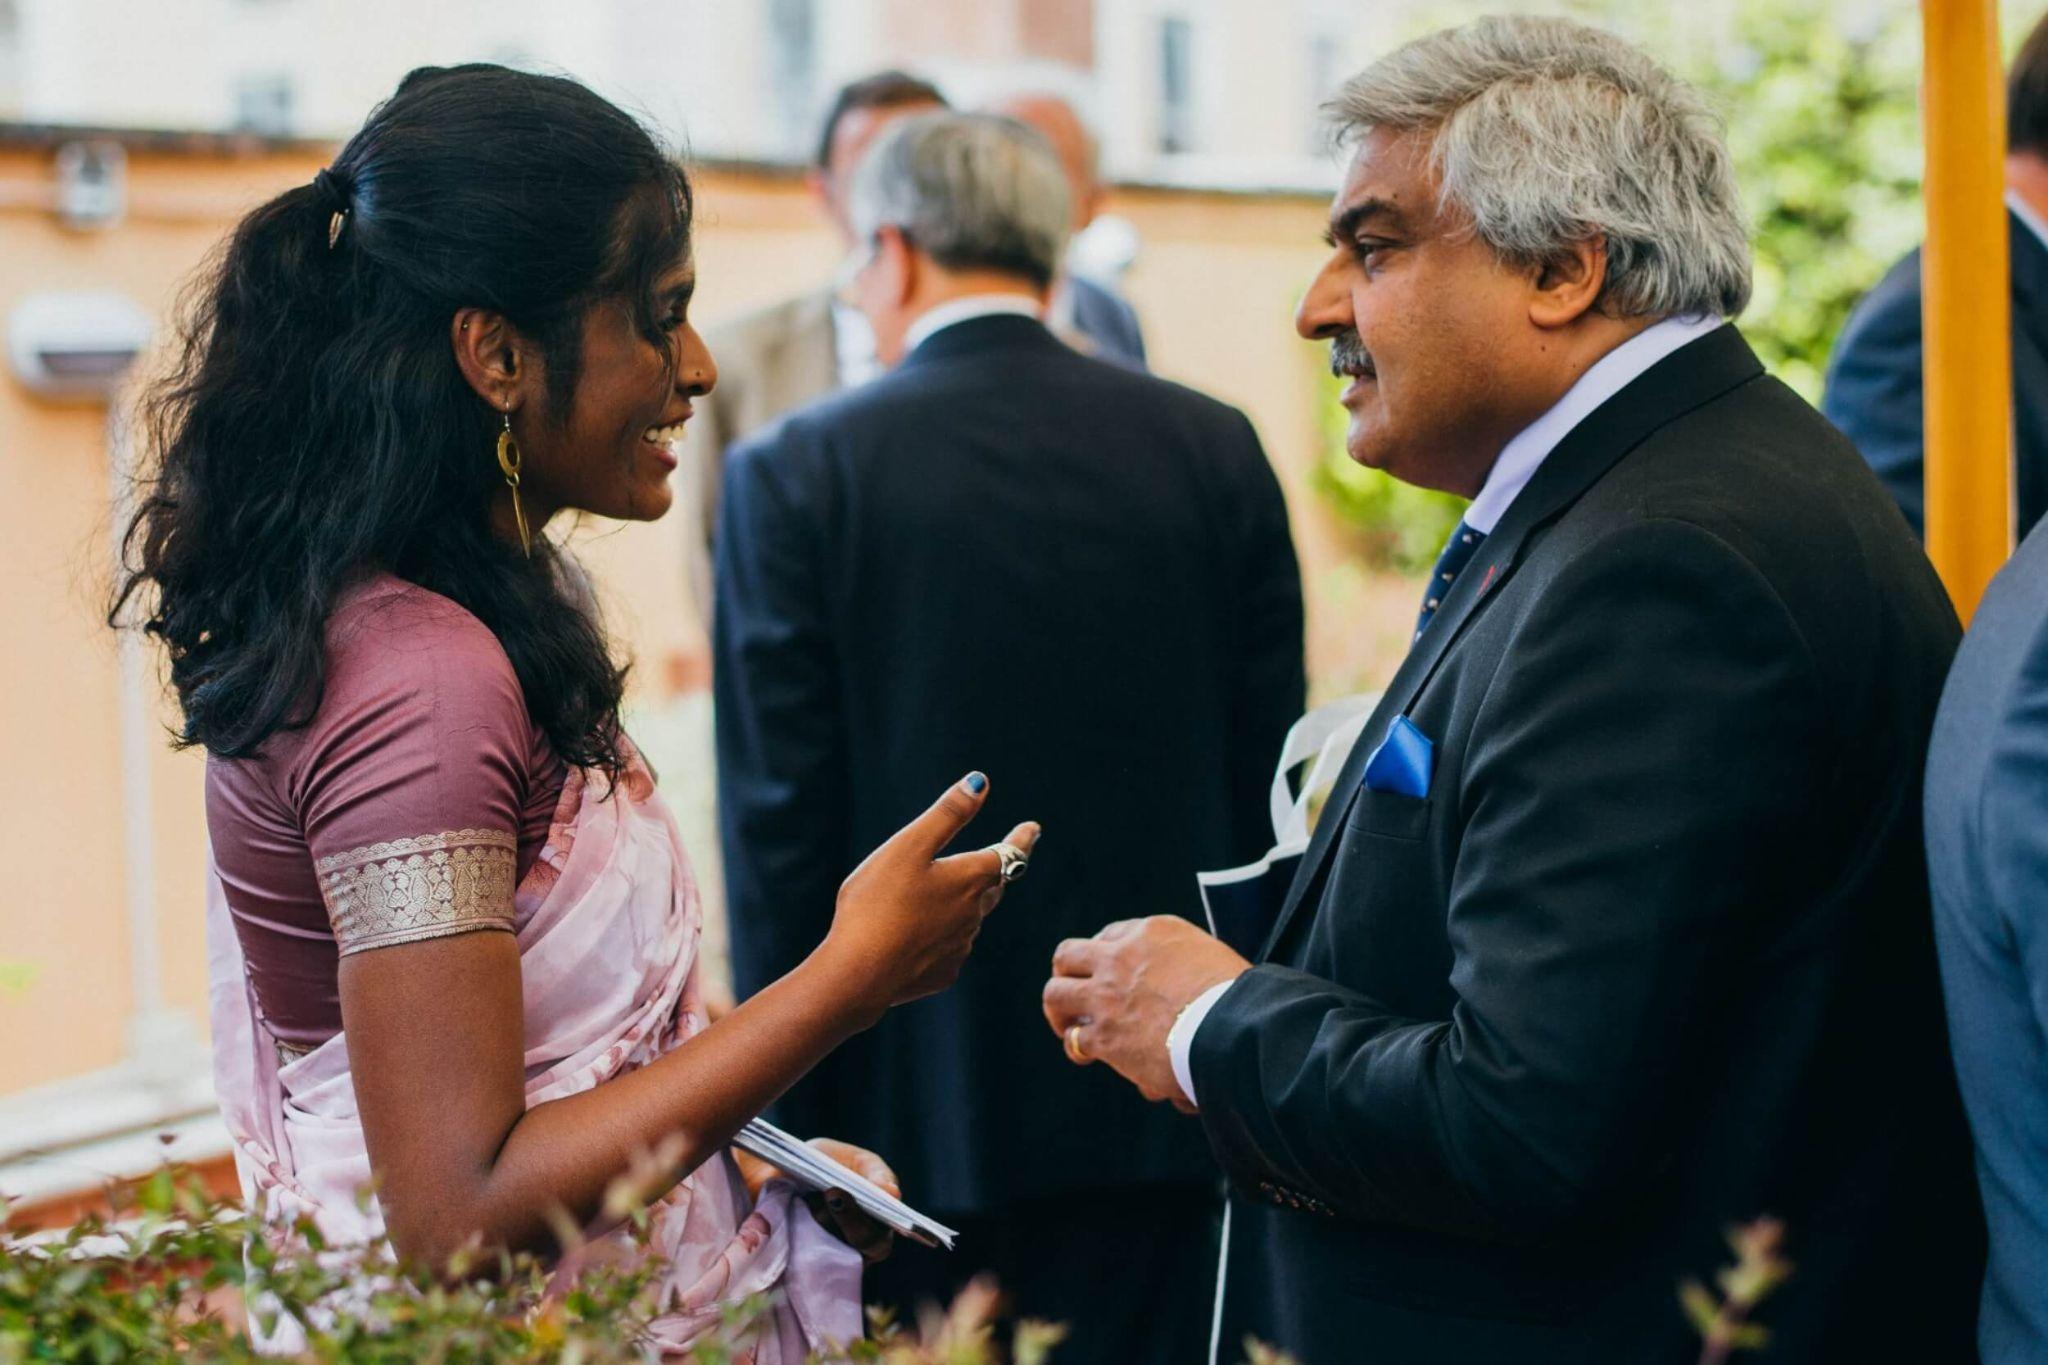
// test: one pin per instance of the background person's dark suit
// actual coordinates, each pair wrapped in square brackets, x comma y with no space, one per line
[1874,381]
[1651,958]
[1105,325]
[1007,556]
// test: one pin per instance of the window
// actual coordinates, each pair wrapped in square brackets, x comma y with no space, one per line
[793,71]
[1176,85]
[1325,70]
[263,104]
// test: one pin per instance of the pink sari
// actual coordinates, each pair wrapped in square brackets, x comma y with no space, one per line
[608,926]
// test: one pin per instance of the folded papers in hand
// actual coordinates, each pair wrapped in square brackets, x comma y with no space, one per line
[810,1169]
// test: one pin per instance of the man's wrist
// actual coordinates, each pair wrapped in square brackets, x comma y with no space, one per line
[1180,1038]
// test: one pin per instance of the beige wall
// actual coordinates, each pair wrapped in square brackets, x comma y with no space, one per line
[1216,285]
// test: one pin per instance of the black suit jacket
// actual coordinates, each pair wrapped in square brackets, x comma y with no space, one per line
[1874,381]
[1005,556]
[1653,955]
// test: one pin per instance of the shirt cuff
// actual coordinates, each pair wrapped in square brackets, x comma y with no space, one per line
[1180,1039]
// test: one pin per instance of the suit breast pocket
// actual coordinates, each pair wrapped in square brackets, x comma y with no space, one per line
[1389,815]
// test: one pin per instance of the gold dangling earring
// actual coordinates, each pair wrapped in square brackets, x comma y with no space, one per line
[508,461]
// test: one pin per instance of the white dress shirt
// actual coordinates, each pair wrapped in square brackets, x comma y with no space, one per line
[1518,462]
[944,315]
[853,346]
[2024,211]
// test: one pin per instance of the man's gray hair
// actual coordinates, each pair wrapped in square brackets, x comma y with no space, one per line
[972,191]
[1549,133]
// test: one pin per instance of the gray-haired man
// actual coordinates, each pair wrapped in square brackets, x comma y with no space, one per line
[1009,556]
[1614,931]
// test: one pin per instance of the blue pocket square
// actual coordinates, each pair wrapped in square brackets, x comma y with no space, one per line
[1403,763]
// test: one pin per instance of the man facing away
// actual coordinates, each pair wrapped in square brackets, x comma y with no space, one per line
[804,347]
[1085,314]
[1083,577]
[1615,930]
[1987,857]
[1875,378]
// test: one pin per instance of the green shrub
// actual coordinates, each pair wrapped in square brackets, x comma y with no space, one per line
[169,1278]
[1393,525]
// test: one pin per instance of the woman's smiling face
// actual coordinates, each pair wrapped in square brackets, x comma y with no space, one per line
[612,452]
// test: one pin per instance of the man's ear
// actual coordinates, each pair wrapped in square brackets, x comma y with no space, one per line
[899,264]
[492,356]
[1568,285]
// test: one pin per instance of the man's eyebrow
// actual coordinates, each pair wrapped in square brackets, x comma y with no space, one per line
[1344,225]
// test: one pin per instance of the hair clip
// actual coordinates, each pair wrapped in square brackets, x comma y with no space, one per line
[334,189]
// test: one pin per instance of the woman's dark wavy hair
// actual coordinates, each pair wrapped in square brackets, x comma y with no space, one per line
[314,426]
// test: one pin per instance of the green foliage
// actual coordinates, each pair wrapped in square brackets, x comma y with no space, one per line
[1723,1321]
[1824,127]
[1821,105]
[178,1273]
[169,1278]
[16,977]
[1394,525]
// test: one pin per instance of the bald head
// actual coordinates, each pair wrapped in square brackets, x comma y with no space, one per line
[1056,121]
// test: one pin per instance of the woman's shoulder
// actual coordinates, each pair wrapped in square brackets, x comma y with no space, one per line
[382,620]
[417,690]
[398,650]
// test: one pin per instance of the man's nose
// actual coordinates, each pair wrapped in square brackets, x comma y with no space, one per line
[1325,309]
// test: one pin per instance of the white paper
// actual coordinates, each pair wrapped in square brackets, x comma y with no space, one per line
[811,1169]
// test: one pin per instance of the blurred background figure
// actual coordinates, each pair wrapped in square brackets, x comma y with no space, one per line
[801,348]
[1874,381]
[1086,313]
[1986,808]
[1009,555]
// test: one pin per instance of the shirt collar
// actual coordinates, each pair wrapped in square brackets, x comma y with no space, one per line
[2024,211]
[962,309]
[853,346]
[1521,457]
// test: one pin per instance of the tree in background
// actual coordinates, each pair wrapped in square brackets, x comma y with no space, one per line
[1821,104]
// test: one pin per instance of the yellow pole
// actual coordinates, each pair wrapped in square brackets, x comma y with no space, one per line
[1966,300]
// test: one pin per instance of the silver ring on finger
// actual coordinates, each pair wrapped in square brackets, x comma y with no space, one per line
[1012,861]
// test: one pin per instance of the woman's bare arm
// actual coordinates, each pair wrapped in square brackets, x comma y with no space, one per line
[436,1050]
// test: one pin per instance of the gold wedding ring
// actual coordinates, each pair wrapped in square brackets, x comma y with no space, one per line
[1074,1052]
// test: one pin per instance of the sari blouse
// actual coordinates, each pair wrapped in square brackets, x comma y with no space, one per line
[408,808]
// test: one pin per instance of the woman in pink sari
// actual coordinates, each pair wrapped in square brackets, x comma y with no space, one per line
[454,934]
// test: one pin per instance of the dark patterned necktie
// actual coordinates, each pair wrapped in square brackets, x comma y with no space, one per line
[1458,551]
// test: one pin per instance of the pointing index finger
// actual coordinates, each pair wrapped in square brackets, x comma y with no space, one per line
[946,817]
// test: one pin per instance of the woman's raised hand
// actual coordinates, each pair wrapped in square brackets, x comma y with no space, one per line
[906,917]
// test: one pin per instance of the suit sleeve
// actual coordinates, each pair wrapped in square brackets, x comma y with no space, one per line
[1873,389]
[2014,811]
[781,750]
[1627,793]
[1269,685]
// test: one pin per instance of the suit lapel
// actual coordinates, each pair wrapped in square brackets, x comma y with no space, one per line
[1693,375]
[2029,284]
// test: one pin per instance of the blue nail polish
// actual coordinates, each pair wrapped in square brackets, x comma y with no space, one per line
[975,783]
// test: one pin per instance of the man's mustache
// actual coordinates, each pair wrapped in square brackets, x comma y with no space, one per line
[1348,356]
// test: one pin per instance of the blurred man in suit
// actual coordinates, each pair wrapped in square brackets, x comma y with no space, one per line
[1086,314]
[1987,856]
[1615,929]
[1874,380]
[793,352]
[1076,577]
